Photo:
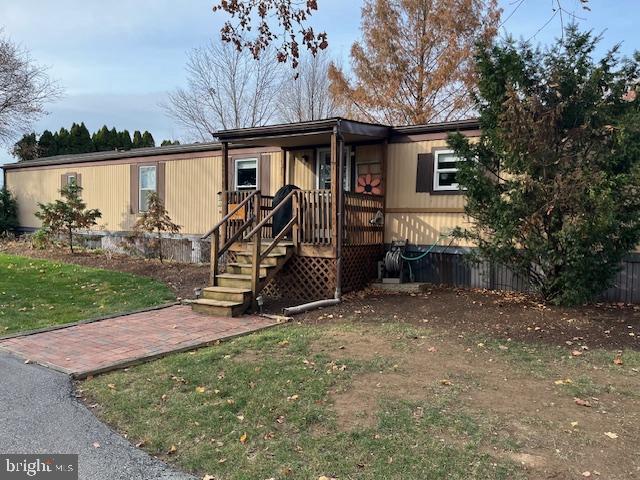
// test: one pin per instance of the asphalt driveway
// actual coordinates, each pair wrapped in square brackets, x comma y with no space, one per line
[39,414]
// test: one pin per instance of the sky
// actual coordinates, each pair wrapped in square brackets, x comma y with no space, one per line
[117,60]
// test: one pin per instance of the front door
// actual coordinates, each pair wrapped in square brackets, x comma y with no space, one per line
[323,168]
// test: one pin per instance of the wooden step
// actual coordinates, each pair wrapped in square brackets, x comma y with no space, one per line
[227,293]
[245,258]
[235,280]
[247,247]
[247,268]
[220,308]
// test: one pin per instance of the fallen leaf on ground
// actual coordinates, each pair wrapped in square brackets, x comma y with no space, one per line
[200,389]
[611,435]
[566,381]
[448,383]
[618,361]
[576,353]
[243,438]
[111,386]
[432,349]
[208,477]
[586,474]
[582,403]
[172,449]
[293,398]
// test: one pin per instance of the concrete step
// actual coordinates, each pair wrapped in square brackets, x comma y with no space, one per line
[235,280]
[244,258]
[219,308]
[247,269]
[227,293]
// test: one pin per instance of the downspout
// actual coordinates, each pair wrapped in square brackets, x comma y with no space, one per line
[339,215]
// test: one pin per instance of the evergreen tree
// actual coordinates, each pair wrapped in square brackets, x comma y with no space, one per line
[26,148]
[155,221]
[166,143]
[137,139]
[552,185]
[67,215]
[79,139]
[100,139]
[47,146]
[125,140]
[147,140]
[113,139]
[63,141]
[8,211]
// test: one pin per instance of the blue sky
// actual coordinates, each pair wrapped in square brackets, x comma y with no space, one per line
[117,60]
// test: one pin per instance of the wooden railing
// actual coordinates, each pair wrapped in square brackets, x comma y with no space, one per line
[359,211]
[255,235]
[313,208]
[241,216]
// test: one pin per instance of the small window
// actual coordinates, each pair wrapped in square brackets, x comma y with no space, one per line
[247,174]
[71,179]
[445,171]
[323,169]
[147,185]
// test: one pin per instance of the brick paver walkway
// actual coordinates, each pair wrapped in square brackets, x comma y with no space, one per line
[90,348]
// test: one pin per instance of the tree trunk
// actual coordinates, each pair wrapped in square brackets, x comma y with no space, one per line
[160,246]
[71,239]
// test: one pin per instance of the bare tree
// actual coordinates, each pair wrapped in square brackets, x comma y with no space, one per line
[227,88]
[25,88]
[306,96]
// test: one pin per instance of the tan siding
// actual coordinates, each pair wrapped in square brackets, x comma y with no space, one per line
[192,188]
[303,173]
[104,187]
[422,228]
[419,217]
[276,180]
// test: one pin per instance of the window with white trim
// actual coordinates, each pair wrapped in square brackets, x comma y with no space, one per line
[147,185]
[445,164]
[246,175]
[71,179]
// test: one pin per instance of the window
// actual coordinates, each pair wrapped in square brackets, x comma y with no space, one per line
[71,179]
[445,171]
[247,174]
[148,185]
[323,168]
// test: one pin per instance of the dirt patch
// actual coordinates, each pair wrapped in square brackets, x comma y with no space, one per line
[532,420]
[181,278]
[502,315]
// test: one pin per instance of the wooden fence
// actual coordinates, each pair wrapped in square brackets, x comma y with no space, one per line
[314,214]
[359,211]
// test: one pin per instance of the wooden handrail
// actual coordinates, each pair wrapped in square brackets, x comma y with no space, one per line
[275,209]
[229,215]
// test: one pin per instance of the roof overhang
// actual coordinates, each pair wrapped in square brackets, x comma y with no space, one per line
[305,134]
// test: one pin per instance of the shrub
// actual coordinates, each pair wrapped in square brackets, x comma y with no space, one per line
[8,211]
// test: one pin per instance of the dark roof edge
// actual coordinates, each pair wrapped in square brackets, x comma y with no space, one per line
[284,128]
[468,124]
[115,155]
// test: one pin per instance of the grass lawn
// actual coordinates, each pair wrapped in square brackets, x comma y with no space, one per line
[370,401]
[40,293]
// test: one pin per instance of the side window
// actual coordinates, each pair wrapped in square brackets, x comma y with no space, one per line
[246,174]
[72,179]
[147,185]
[445,171]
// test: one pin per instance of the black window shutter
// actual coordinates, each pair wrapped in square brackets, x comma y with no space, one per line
[424,175]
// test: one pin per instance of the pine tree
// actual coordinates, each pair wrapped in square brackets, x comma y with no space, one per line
[155,221]
[85,139]
[67,215]
[137,139]
[63,141]
[147,140]
[113,139]
[47,146]
[125,140]
[166,143]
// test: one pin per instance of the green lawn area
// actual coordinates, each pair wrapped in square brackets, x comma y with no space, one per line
[371,401]
[40,293]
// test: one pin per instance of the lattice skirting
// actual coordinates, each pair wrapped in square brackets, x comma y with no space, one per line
[305,279]
[360,265]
